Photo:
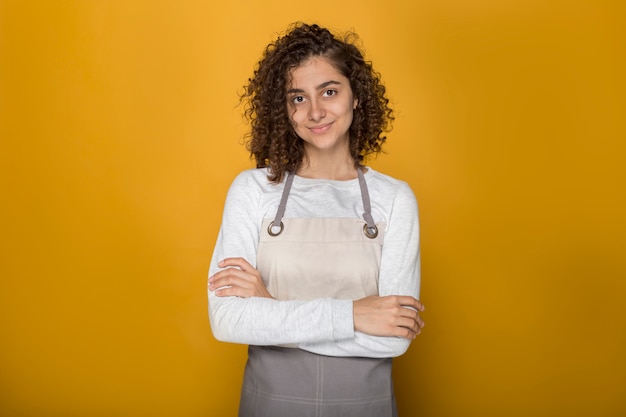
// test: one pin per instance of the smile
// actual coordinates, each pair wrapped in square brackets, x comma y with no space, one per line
[320,129]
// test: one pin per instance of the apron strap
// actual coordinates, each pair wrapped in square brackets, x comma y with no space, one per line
[369,228]
[278,219]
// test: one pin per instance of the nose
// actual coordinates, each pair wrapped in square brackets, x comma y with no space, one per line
[316,111]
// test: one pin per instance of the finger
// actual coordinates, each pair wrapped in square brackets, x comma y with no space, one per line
[231,279]
[408,312]
[406,333]
[408,301]
[219,279]
[399,331]
[412,325]
[219,275]
[232,291]
[227,273]
[413,315]
[235,262]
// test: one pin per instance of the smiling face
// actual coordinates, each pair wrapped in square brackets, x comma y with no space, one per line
[320,104]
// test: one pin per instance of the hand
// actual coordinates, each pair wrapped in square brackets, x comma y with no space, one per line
[392,315]
[239,279]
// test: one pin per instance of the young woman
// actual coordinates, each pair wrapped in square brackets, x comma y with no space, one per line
[316,265]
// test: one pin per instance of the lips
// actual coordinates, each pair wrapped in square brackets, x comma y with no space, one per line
[320,129]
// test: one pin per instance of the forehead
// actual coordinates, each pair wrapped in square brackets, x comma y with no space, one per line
[314,71]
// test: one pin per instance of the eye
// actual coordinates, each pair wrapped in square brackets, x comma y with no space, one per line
[329,93]
[297,99]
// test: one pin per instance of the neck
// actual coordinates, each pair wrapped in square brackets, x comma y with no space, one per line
[339,167]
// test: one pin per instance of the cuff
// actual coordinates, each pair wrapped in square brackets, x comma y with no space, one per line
[342,319]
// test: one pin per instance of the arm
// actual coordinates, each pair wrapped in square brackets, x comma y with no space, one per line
[265,321]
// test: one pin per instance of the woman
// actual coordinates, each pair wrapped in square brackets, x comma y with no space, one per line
[316,265]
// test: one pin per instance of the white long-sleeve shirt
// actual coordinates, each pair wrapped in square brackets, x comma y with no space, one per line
[323,326]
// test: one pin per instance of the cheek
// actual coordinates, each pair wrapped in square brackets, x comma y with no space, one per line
[348,108]
[350,114]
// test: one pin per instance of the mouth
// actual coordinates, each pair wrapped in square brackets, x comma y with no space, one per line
[320,129]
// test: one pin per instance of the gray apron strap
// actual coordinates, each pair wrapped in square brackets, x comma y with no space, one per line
[278,219]
[369,228]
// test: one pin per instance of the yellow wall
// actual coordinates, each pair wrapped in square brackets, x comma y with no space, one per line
[120,135]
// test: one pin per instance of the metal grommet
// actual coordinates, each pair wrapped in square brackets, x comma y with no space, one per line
[282,226]
[370,232]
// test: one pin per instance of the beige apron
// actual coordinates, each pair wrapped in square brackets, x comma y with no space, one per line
[304,259]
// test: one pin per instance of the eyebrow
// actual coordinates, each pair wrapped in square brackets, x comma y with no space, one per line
[319,87]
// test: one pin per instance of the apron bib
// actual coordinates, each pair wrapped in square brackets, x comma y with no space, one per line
[304,259]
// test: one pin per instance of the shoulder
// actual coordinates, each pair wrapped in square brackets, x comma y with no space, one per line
[251,176]
[251,180]
[392,198]
[388,186]
[252,186]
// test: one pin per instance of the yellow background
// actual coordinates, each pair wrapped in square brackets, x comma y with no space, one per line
[120,134]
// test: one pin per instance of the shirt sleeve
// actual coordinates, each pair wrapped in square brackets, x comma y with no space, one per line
[264,321]
[399,275]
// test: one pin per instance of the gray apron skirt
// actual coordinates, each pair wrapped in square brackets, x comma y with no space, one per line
[304,259]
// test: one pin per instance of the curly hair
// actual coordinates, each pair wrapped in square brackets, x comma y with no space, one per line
[272,140]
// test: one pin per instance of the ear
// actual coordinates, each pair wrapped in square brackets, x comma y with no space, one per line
[356,103]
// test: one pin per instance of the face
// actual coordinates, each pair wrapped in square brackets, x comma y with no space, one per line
[321,104]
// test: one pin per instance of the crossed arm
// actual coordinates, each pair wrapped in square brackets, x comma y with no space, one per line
[392,315]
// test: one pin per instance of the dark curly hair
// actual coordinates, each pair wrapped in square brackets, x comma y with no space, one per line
[272,140]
